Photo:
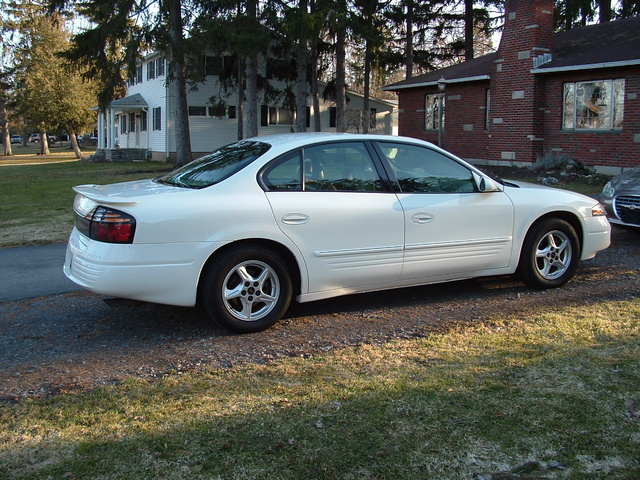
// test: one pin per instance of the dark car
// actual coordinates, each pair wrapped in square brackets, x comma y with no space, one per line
[621,198]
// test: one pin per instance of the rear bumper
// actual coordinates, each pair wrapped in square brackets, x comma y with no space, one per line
[158,273]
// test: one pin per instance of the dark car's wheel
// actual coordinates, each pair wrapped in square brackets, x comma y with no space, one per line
[247,290]
[550,254]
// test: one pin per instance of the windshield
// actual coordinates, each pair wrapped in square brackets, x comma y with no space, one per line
[216,166]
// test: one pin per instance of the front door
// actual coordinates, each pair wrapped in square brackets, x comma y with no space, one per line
[451,229]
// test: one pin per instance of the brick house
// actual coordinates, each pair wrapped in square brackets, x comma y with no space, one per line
[541,97]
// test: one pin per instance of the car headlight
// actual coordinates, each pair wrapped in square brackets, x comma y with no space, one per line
[598,210]
[608,190]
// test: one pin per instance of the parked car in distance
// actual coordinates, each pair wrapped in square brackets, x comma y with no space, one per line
[35,138]
[260,222]
[621,198]
[16,138]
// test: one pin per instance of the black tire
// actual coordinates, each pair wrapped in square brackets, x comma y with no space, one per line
[246,290]
[549,255]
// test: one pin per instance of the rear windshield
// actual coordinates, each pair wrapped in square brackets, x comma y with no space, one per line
[216,166]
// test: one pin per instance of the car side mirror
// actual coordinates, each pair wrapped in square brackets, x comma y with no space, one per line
[485,184]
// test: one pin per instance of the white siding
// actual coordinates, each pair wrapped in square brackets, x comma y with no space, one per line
[155,93]
[209,133]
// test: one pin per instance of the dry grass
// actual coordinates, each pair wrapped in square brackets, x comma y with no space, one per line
[552,396]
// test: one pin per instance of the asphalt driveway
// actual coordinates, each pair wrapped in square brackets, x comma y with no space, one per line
[33,271]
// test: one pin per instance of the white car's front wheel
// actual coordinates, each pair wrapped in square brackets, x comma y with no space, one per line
[247,290]
[550,254]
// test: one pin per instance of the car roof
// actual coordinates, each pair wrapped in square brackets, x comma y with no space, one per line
[293,140]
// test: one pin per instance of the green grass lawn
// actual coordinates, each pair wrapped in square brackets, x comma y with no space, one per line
[555,396]
[36,200]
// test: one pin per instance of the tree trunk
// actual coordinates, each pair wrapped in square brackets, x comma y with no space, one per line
[468,29]
[604,10]
[241,78]
[252,95]
[315,89]
[179,85]
[340,73]
[4,127]
[73,137]
[44,143]
[366,113]
[409,40]
[252,79]
[301,85]
[240,112]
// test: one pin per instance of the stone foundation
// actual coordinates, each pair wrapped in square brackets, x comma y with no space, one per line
[120,155]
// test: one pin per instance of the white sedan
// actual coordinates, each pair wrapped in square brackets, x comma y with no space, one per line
[312,216]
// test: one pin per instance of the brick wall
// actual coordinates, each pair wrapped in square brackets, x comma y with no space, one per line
[464,118]
[608,151]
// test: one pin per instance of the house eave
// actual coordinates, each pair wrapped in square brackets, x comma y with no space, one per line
[432,83]
[590,66]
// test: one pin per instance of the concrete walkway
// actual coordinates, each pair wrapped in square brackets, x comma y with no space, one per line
[33,271]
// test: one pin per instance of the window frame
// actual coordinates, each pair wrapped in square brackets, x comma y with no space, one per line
[306,154]
[580,115]
[151,70]
[157,119]
[445,182]
[431,114]
[197,111]
[132,122]
[160,67]
[274,116]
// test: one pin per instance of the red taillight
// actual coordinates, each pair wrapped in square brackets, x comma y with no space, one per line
[107,225]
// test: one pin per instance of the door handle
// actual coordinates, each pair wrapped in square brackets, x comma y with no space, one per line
[422,218]
[295,219]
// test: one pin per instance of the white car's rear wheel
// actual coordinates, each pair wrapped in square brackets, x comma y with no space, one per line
[247,290]
[550,254]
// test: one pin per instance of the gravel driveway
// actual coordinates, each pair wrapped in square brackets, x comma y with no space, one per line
[74,341]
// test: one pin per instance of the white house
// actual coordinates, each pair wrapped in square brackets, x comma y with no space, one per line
[141,125]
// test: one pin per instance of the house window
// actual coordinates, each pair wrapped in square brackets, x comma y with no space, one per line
[132,122]
[285,116]
[333,113]
[160,62]
[157,118]
[431,113]
[487,104]
[151,70]
[143,121]
[123,124]
[139,74]
[593,105]
[273,116]
[232,111]
[213,66]
[372,117]
[197,111]
[276,116]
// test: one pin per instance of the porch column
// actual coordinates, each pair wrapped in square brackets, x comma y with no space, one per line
[110,132]
[101,139]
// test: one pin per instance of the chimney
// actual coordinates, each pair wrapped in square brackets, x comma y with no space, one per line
[516,112]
